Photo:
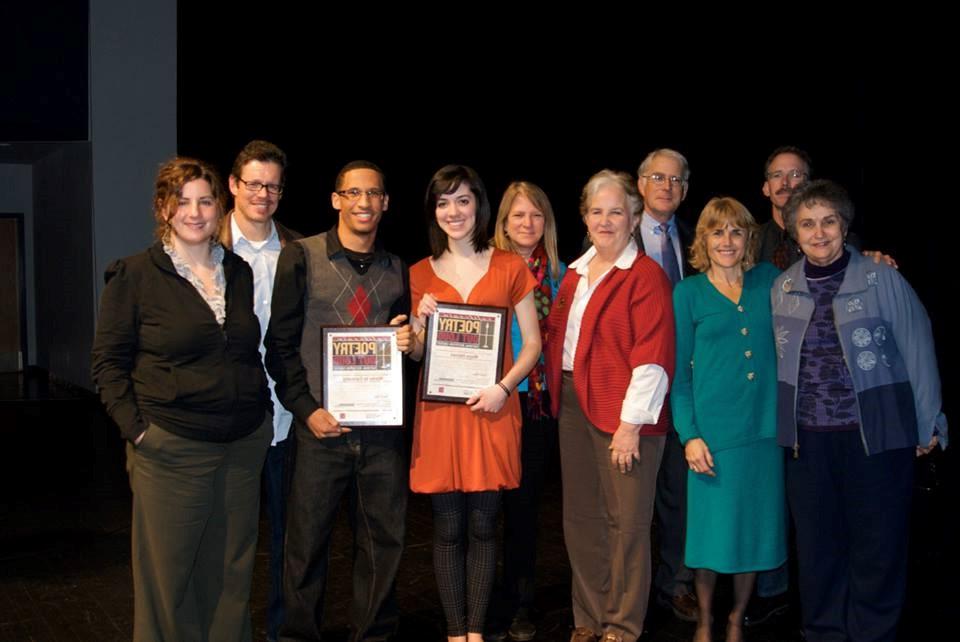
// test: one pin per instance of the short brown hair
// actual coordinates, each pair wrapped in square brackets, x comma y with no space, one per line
[171,178]
[263,151]
[787,149]
[819,192]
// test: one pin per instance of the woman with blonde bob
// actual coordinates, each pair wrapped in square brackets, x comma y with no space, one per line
[526,226]
[724,397]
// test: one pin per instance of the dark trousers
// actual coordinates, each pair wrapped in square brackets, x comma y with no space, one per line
[774,582]
[521,507]
[196,507]
[368,467]
[851,514]
[673,577]
[276,484]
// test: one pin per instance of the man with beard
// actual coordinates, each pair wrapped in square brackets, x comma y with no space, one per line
[786,169]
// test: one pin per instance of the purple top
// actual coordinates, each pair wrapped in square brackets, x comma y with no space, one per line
[826,401]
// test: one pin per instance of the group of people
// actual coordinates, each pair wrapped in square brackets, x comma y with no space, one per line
[680,373]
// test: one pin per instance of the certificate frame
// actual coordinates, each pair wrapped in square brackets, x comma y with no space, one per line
[463,351]
[363,375]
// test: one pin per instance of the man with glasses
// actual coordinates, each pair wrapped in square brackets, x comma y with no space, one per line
[663,181]
[341,277]
[786,169]
[256,182]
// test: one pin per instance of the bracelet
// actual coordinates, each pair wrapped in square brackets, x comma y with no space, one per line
[506,390]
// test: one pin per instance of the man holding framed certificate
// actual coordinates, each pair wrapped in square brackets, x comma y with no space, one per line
[334,296]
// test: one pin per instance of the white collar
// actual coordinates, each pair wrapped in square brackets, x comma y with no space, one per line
[238,235]
[623,262]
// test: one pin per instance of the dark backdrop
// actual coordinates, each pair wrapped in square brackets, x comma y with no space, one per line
[553,107]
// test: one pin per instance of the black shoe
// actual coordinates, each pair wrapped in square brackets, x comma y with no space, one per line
[764,609]
[522,628]
[497,635]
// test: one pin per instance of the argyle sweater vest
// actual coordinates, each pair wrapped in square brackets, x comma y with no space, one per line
[337,295]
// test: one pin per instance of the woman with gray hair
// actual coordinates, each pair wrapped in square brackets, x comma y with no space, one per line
[608,369]
[859,397]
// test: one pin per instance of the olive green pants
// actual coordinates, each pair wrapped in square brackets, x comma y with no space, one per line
[196,507]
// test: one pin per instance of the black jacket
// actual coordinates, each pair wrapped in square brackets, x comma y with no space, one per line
[160,356]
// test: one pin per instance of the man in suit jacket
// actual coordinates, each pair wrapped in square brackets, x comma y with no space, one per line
[663,180]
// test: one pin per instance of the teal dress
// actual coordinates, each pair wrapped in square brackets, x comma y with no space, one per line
[725,392]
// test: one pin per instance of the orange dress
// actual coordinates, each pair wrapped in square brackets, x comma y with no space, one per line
[455,448]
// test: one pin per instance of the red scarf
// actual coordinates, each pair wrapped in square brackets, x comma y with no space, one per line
[539,265]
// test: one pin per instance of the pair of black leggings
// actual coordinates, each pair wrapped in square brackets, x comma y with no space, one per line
[465,577]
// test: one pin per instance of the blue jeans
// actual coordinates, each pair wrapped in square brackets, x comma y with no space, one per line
[276,484]
[367,466]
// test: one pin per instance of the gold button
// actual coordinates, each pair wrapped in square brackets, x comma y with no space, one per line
[748,354]
[740,308]
[744,331]
[751,376]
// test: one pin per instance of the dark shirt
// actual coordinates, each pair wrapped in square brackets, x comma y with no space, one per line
[772,236]
[160,356]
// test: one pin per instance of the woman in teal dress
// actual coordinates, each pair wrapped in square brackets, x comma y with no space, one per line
[724,398]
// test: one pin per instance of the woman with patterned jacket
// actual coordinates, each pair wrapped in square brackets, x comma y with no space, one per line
[858,399]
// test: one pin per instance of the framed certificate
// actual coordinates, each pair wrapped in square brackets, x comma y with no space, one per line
[464,351]
[363,375]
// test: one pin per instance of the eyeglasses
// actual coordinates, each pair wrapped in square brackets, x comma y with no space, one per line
[660,179]
[792,174]
[355,194]
[254,187]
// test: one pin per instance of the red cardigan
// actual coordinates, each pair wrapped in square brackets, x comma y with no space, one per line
[628,322]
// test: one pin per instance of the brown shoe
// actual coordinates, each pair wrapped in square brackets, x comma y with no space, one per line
[583,634]
[684,607]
